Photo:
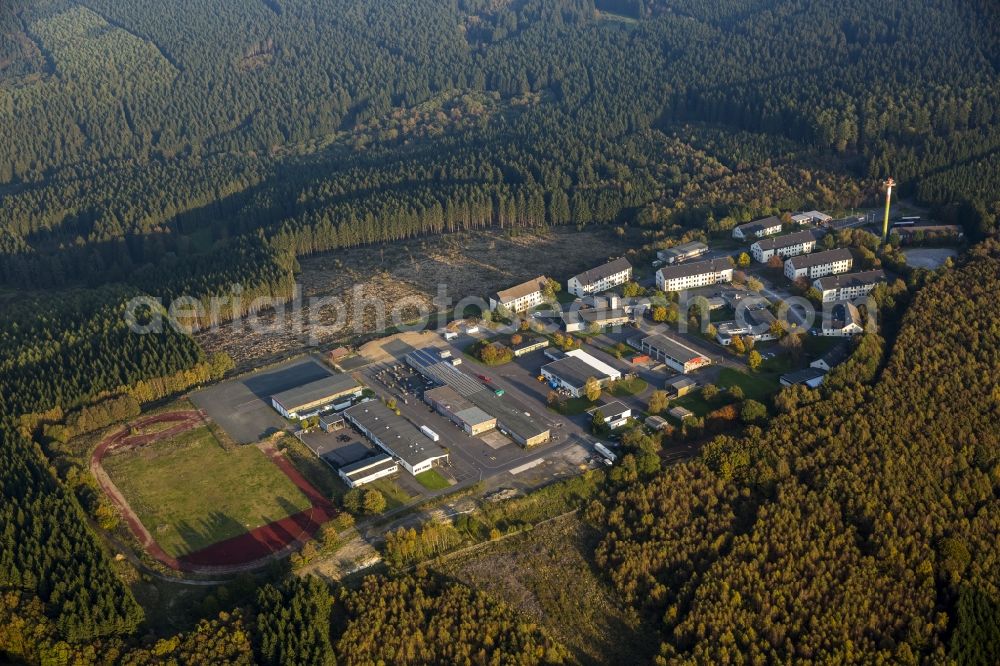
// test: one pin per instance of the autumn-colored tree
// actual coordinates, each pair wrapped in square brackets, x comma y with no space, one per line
[658,402]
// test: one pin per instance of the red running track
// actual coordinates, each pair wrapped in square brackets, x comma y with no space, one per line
[238,551]
[274,537]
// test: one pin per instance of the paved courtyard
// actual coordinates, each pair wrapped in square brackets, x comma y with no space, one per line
[242,406]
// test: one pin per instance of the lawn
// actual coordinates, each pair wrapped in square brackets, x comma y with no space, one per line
[190,493]
[695,403]
[817,345]
[780,364]
[759,387]
[432,480]
[564,297]
[725,313]
[395,496]
[572,406]
[629,386]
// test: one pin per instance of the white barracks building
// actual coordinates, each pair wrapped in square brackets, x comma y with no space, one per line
[600,279]
[801,242]
[848,286]
[819,264]
[698,274]
[767,226]
[521,297]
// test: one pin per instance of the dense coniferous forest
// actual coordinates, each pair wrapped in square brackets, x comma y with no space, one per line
[183,147]
[328,124]
[860,526]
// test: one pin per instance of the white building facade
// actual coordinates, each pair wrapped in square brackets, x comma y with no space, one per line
[792,245]
[602,278]
[521,297]
[699,274]
[819,264]
[767,226]
[848,286]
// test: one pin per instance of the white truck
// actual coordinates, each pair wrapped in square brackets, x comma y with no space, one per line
[445,353]
[433,436]
[450,335]
[605,452]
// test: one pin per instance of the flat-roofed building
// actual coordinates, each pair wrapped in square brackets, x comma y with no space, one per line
[927,231]
[580,320]
[512,418]
[676,355]
[680,413]
[818,264]
[313,397]
[529,345]
[604,277]
[682,252]
[811,377]
[756,324]
[846,222]
[396,436]
[572,372]
[656,423]
[522,296]
[813,216]
[848,286]
[615,414]
[758,228]
[680,386]
[697,274]
[447,402]
[368,470]
[789,245]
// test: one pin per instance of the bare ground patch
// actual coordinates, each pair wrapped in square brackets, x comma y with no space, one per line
[548,574]
[405,277]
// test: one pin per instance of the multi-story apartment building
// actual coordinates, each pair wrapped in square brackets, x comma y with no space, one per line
[819,264]
[698,274]
[800,242]
[521,297]
[848,286]
[602,278]
[767,226]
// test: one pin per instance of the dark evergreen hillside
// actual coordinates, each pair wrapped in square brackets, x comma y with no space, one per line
[61,352]
[184,147]
[327,123]
[49,553]
[858,527]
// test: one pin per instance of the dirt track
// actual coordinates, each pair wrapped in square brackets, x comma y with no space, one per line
[240,553]
[122,440]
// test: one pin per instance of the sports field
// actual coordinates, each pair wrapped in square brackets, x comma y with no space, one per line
[189,492]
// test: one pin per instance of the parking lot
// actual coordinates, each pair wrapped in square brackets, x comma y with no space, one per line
[242,406]
[492,454]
